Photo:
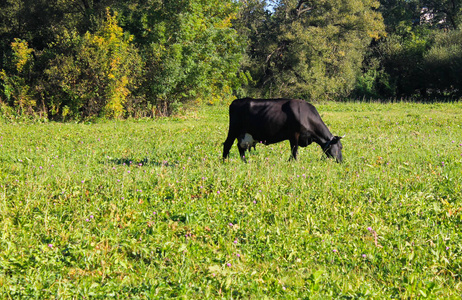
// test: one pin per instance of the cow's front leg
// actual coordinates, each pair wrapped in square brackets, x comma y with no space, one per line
[227,145]
[294,146]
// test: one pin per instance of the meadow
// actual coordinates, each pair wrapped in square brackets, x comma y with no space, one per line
[147,209]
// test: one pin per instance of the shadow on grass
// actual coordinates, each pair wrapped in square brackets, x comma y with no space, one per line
[138,162]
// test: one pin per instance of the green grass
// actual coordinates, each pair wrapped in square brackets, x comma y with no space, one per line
[146,209]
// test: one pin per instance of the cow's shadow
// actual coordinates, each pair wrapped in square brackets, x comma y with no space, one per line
[125,161]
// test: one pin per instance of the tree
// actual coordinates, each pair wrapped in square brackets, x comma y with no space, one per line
[253,23]
[442,65]
[419,58]
[316,48]
[397,12]
[192,51]
[40,21]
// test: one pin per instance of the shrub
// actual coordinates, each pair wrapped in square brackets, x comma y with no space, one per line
[95,74]
[16,80]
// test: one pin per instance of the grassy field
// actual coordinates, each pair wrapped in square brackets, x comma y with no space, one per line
[147,209]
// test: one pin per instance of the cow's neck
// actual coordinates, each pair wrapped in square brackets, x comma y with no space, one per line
[323,136]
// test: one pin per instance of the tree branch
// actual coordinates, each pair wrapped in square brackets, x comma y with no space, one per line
[301,10]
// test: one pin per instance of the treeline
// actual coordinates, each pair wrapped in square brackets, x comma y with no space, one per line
[77,59]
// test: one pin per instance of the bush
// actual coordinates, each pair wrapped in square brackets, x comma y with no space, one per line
[95,74]
[16,80]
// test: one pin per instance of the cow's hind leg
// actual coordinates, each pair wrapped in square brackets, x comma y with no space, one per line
[241,152]
[294,146]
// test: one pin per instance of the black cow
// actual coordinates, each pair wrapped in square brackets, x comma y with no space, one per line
[270,121]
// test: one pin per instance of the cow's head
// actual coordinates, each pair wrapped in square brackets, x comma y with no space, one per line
[333,148]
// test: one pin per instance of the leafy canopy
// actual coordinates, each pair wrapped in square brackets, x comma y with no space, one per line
[315,48]
[192,51]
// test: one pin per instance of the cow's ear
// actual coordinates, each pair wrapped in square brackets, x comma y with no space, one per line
[336,139]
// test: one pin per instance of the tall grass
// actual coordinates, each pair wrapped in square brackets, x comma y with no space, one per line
[147,209]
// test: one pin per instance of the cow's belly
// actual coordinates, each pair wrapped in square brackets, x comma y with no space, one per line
[269,139]
[269,131]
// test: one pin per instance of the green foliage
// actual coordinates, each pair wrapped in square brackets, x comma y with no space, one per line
[316,47]
[21,55]
[415,62]
[400,63]
[67,59]
[86,64]
[192,52]
[417,59]
[28,20]
[443,65]
[252,24]
[106,210]
[15,82]
[395,12]
[95,74]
